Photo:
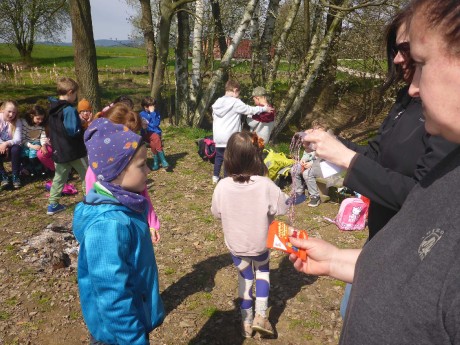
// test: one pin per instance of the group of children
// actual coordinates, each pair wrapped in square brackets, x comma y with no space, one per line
[227,112]
[116,224]
[52,140]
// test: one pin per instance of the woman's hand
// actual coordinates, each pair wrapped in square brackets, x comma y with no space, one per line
[325,259]
[320,254]
[44,150]
[327,147]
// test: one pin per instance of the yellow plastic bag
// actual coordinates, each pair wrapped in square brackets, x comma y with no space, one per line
[275,162]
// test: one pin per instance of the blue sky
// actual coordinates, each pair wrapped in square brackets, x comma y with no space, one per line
[109,20]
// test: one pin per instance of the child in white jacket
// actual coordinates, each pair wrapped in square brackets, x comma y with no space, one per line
[226,116]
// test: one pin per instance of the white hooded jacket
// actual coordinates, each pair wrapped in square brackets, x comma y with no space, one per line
[226,115]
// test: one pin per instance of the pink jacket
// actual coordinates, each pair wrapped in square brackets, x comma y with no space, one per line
[152,218]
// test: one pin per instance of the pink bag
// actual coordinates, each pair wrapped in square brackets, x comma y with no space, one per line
[352,215]
[69,189]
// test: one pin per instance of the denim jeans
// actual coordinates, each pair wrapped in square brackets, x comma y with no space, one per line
[345,298]
[219,161]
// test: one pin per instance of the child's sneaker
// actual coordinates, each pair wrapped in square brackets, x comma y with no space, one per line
[314,201]
[215,179]
[262,325]
[246,330]
[55,208]
[4,180]
[16,182]
[298,199]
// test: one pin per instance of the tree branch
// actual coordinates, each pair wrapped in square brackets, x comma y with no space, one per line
[353,8]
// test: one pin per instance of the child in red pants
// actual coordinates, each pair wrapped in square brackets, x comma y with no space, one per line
[152,132]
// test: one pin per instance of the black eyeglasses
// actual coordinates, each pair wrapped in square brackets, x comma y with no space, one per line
[403,48]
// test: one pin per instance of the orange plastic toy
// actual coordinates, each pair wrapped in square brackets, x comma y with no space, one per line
[278,238]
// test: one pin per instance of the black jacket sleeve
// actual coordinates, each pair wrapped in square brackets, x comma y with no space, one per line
[390,188]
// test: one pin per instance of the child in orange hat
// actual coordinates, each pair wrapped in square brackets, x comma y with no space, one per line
[85,111]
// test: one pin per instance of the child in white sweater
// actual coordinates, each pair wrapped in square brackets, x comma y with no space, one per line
[247,201]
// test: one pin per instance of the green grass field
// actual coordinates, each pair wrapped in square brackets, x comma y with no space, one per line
[63,56]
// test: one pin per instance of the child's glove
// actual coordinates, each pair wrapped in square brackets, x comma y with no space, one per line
[278,238]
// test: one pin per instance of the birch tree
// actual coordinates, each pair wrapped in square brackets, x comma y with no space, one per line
[218,75]
[197,52]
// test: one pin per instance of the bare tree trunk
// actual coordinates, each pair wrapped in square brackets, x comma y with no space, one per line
[181,68]
[298,93]
[167,10]
[255,49]
[197,53]
[149,37]
[215,7]
[273,66]
[85,51]
[266,41]
[218,76]
[307,21]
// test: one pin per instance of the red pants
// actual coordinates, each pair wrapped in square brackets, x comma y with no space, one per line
[154,141]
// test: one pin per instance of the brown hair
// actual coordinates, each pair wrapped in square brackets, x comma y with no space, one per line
[36,110]
[121,114]
[231,85]
[446,15]
[148,101]
[394,72]
[66,84]
[243,157]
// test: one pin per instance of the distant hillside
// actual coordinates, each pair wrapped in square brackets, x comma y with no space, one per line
[99,43]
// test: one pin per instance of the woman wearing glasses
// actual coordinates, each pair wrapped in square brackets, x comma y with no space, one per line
[392,163]
[389,166]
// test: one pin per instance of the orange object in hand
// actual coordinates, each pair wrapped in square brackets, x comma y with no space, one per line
[278,238]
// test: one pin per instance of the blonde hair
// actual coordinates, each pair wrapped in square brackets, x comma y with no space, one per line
[12,125]
[66,84]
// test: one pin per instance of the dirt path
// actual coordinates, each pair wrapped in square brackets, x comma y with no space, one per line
[39,299]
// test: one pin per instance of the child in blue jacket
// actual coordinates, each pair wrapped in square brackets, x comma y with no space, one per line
[152,132]
[117,272]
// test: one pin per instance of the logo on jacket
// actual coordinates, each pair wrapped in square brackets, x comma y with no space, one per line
[429,240]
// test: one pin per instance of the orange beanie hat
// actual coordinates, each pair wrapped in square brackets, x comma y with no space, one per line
[83,105]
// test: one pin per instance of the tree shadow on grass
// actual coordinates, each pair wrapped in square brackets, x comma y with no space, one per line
[224,327]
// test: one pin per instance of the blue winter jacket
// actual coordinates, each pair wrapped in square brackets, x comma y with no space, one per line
[153,119]
[117,272]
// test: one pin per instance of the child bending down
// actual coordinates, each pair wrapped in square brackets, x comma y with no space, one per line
[152,132]
[247,202]
[33,138]
[117,272]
